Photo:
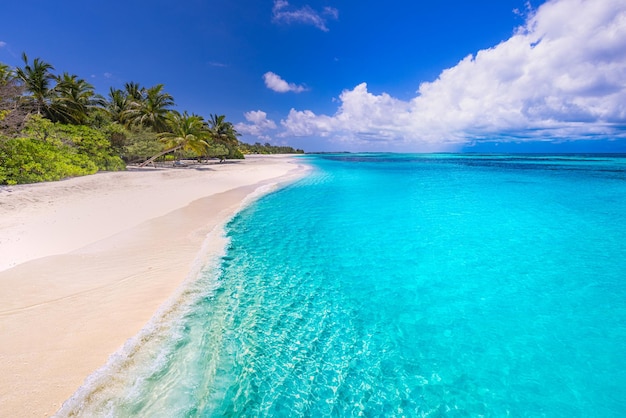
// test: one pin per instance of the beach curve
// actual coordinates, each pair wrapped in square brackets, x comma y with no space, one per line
[67,307]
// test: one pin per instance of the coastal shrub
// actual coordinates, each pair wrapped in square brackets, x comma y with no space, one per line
[217,151]
[28,160]
[98,118]
[85,140]
[49,151]
[235,154]
[140,144]
[117,136]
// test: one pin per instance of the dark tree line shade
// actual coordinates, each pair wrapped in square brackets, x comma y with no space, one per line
[55,125]
[267,148]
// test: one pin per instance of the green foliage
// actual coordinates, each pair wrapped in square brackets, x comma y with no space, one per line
[6,73]
[235,154]
[186,132]
[117,104]
[73,100]
[63,98]
[147,107]
[49,151]
[98,118]
[56,126]
[37,77]
[217,151]
[140,144]
[85,140]
[29,160]
[116,134]
[267,148]
[224,133]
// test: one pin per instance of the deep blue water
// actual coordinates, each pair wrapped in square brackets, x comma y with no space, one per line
[408,285]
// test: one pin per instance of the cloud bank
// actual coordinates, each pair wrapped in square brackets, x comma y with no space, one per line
[562,75]
[282,12]
[276,83]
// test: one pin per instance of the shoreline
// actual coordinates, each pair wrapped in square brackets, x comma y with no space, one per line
[64,315]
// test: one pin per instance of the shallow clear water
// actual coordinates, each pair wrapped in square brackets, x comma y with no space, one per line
[406,285]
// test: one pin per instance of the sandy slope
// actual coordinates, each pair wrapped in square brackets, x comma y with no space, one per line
[86,262]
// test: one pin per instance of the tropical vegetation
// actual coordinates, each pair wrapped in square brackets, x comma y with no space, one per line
[54,126]
[267,148]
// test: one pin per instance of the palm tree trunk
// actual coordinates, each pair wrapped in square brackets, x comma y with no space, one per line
[167,151]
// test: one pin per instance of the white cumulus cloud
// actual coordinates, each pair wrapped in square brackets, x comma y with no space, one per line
[560,75]
[258,125]
[275,82]
[282,12]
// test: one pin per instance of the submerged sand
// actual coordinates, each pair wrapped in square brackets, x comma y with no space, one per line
[86,262]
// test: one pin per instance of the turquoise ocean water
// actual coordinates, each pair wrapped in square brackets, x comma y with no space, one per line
[403,285]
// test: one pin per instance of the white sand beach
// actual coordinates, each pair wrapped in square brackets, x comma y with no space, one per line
[86,262]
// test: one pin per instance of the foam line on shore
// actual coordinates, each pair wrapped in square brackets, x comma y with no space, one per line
[104,254]
[155,340]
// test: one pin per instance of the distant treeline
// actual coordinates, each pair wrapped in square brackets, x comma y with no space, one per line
[267,148]
[54,126]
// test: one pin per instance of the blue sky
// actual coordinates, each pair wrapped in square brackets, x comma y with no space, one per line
[329,75]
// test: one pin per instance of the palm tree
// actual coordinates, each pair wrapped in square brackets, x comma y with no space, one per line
[187,132]
[117,104]
[119,101]
[36,78]
[224,132]
[134,91]
[73,100]
[151,110]
[6,74]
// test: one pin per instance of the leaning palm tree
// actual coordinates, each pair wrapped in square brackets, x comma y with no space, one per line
[151,110]
[187,132]
[73,100]
[36,78]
